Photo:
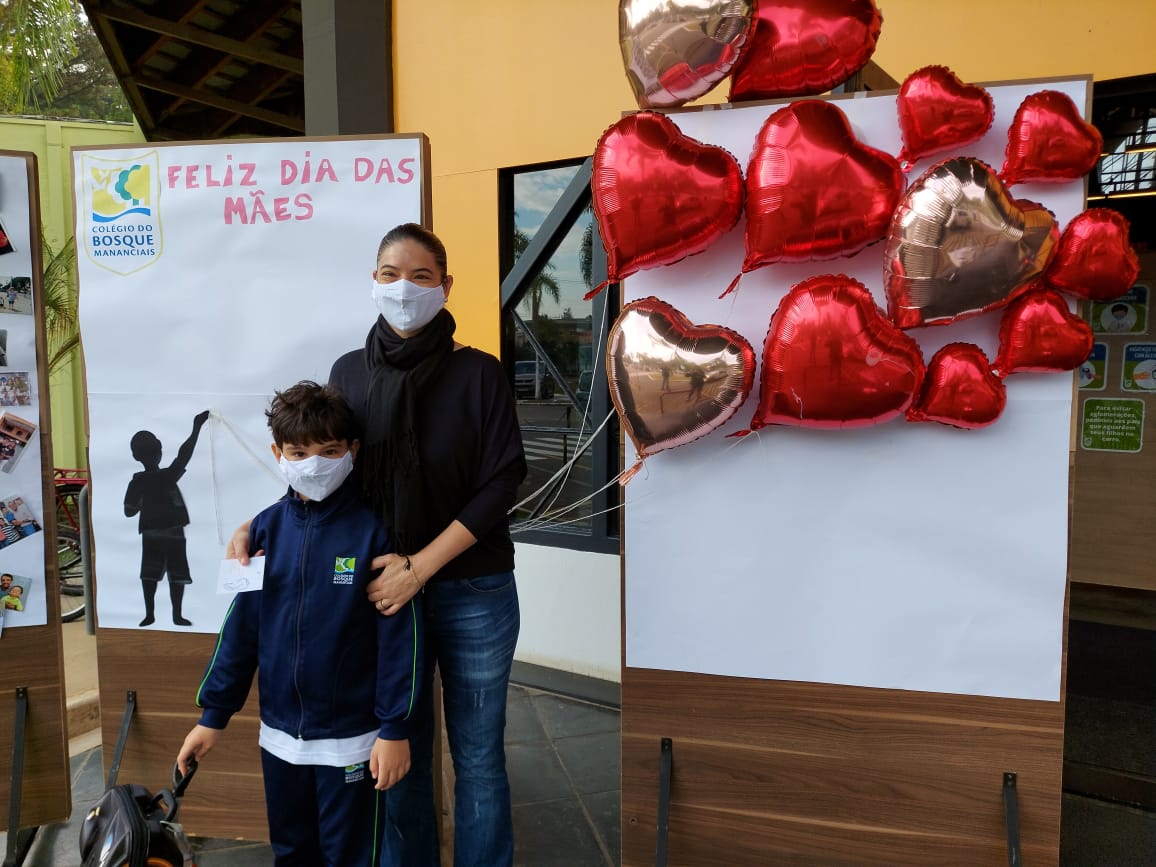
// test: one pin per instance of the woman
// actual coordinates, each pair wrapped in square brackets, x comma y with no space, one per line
[441,461]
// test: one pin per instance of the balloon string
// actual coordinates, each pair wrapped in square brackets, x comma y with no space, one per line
[550,519]
[580,447]
[590,295]
[213,476]
[629,474]
[734,284]
[617,508]
[740,433]
[213,414]
[257,459]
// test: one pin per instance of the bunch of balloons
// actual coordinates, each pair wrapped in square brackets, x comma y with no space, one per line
[956,241]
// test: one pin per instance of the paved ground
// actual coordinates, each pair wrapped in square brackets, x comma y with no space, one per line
[562,756]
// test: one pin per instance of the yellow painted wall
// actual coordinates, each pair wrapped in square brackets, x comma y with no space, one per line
[513,82]
[51,141]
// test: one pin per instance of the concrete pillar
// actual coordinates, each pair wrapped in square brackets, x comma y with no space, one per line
[348,47]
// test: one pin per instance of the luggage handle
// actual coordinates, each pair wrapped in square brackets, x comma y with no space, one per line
[180,783]
[163,797]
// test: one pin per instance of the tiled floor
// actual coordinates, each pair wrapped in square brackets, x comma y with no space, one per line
[562,756]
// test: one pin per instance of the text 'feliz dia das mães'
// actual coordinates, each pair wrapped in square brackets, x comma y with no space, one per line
[197,176]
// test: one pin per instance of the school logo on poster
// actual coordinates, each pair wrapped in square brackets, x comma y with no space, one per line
[343,570]
[121,226]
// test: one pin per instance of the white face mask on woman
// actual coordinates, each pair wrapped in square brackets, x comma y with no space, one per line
[407,306]
[316,477]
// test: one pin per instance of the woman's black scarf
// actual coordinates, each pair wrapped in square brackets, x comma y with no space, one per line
[400,372]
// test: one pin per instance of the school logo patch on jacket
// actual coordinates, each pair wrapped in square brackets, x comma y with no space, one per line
[343,570]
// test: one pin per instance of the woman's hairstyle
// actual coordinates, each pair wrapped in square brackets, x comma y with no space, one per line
[420,234]
[308,413]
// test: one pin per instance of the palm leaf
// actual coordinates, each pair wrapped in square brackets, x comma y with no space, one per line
[58,295]
[38,38]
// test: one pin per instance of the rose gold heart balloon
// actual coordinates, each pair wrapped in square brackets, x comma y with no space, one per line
[960,389]
[959,245]
[672,381]
[831,360]
[676,52]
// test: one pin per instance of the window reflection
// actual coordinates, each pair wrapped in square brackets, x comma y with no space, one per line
[551,339]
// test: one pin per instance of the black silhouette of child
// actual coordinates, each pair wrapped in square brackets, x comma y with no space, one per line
[154,495]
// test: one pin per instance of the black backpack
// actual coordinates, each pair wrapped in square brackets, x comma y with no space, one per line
[131,827]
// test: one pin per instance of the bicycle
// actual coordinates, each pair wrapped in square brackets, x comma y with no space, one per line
[69,482]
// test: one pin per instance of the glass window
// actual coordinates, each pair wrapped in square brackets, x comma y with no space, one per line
[552,345]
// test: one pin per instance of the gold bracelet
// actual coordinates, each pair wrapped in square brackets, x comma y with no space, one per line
[409,569]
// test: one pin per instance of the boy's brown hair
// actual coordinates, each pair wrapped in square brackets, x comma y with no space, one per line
[308,413]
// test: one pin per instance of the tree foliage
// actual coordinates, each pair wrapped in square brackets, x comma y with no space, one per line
[37,39]
[52,63]
[543,285]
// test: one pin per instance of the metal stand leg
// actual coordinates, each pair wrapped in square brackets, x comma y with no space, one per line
[122,738]
[666,763]
[1011,818]
[86,560]
[19,841]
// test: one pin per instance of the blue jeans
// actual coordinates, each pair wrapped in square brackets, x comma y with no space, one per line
[471,627]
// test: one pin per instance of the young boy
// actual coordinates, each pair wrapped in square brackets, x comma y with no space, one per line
[337,680]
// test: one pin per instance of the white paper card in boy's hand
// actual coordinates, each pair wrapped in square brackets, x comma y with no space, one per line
[235,578]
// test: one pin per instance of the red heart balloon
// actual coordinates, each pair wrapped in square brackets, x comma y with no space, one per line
[813,190]
[1038,333]
[959,245]
[960,390]
[831,360]
[675,52]
[805,47]
[938,112]
[660,196]
[672,381]
[1049,140]
[1094,259]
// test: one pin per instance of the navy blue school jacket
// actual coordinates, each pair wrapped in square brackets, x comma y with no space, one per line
[329,665]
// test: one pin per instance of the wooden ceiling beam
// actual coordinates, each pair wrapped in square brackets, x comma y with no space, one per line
[106,35]
[254,94]
[204,38]
[224,103]
[183,15]
[196,72]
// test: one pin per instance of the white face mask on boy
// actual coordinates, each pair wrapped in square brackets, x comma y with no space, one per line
[407,306]
[316,477]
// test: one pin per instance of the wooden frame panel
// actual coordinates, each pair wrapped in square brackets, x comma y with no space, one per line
[227,798]
[824,774]
[46,795]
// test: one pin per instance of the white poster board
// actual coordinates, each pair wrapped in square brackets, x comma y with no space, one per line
[211,275]
[904,556]
[21,489]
